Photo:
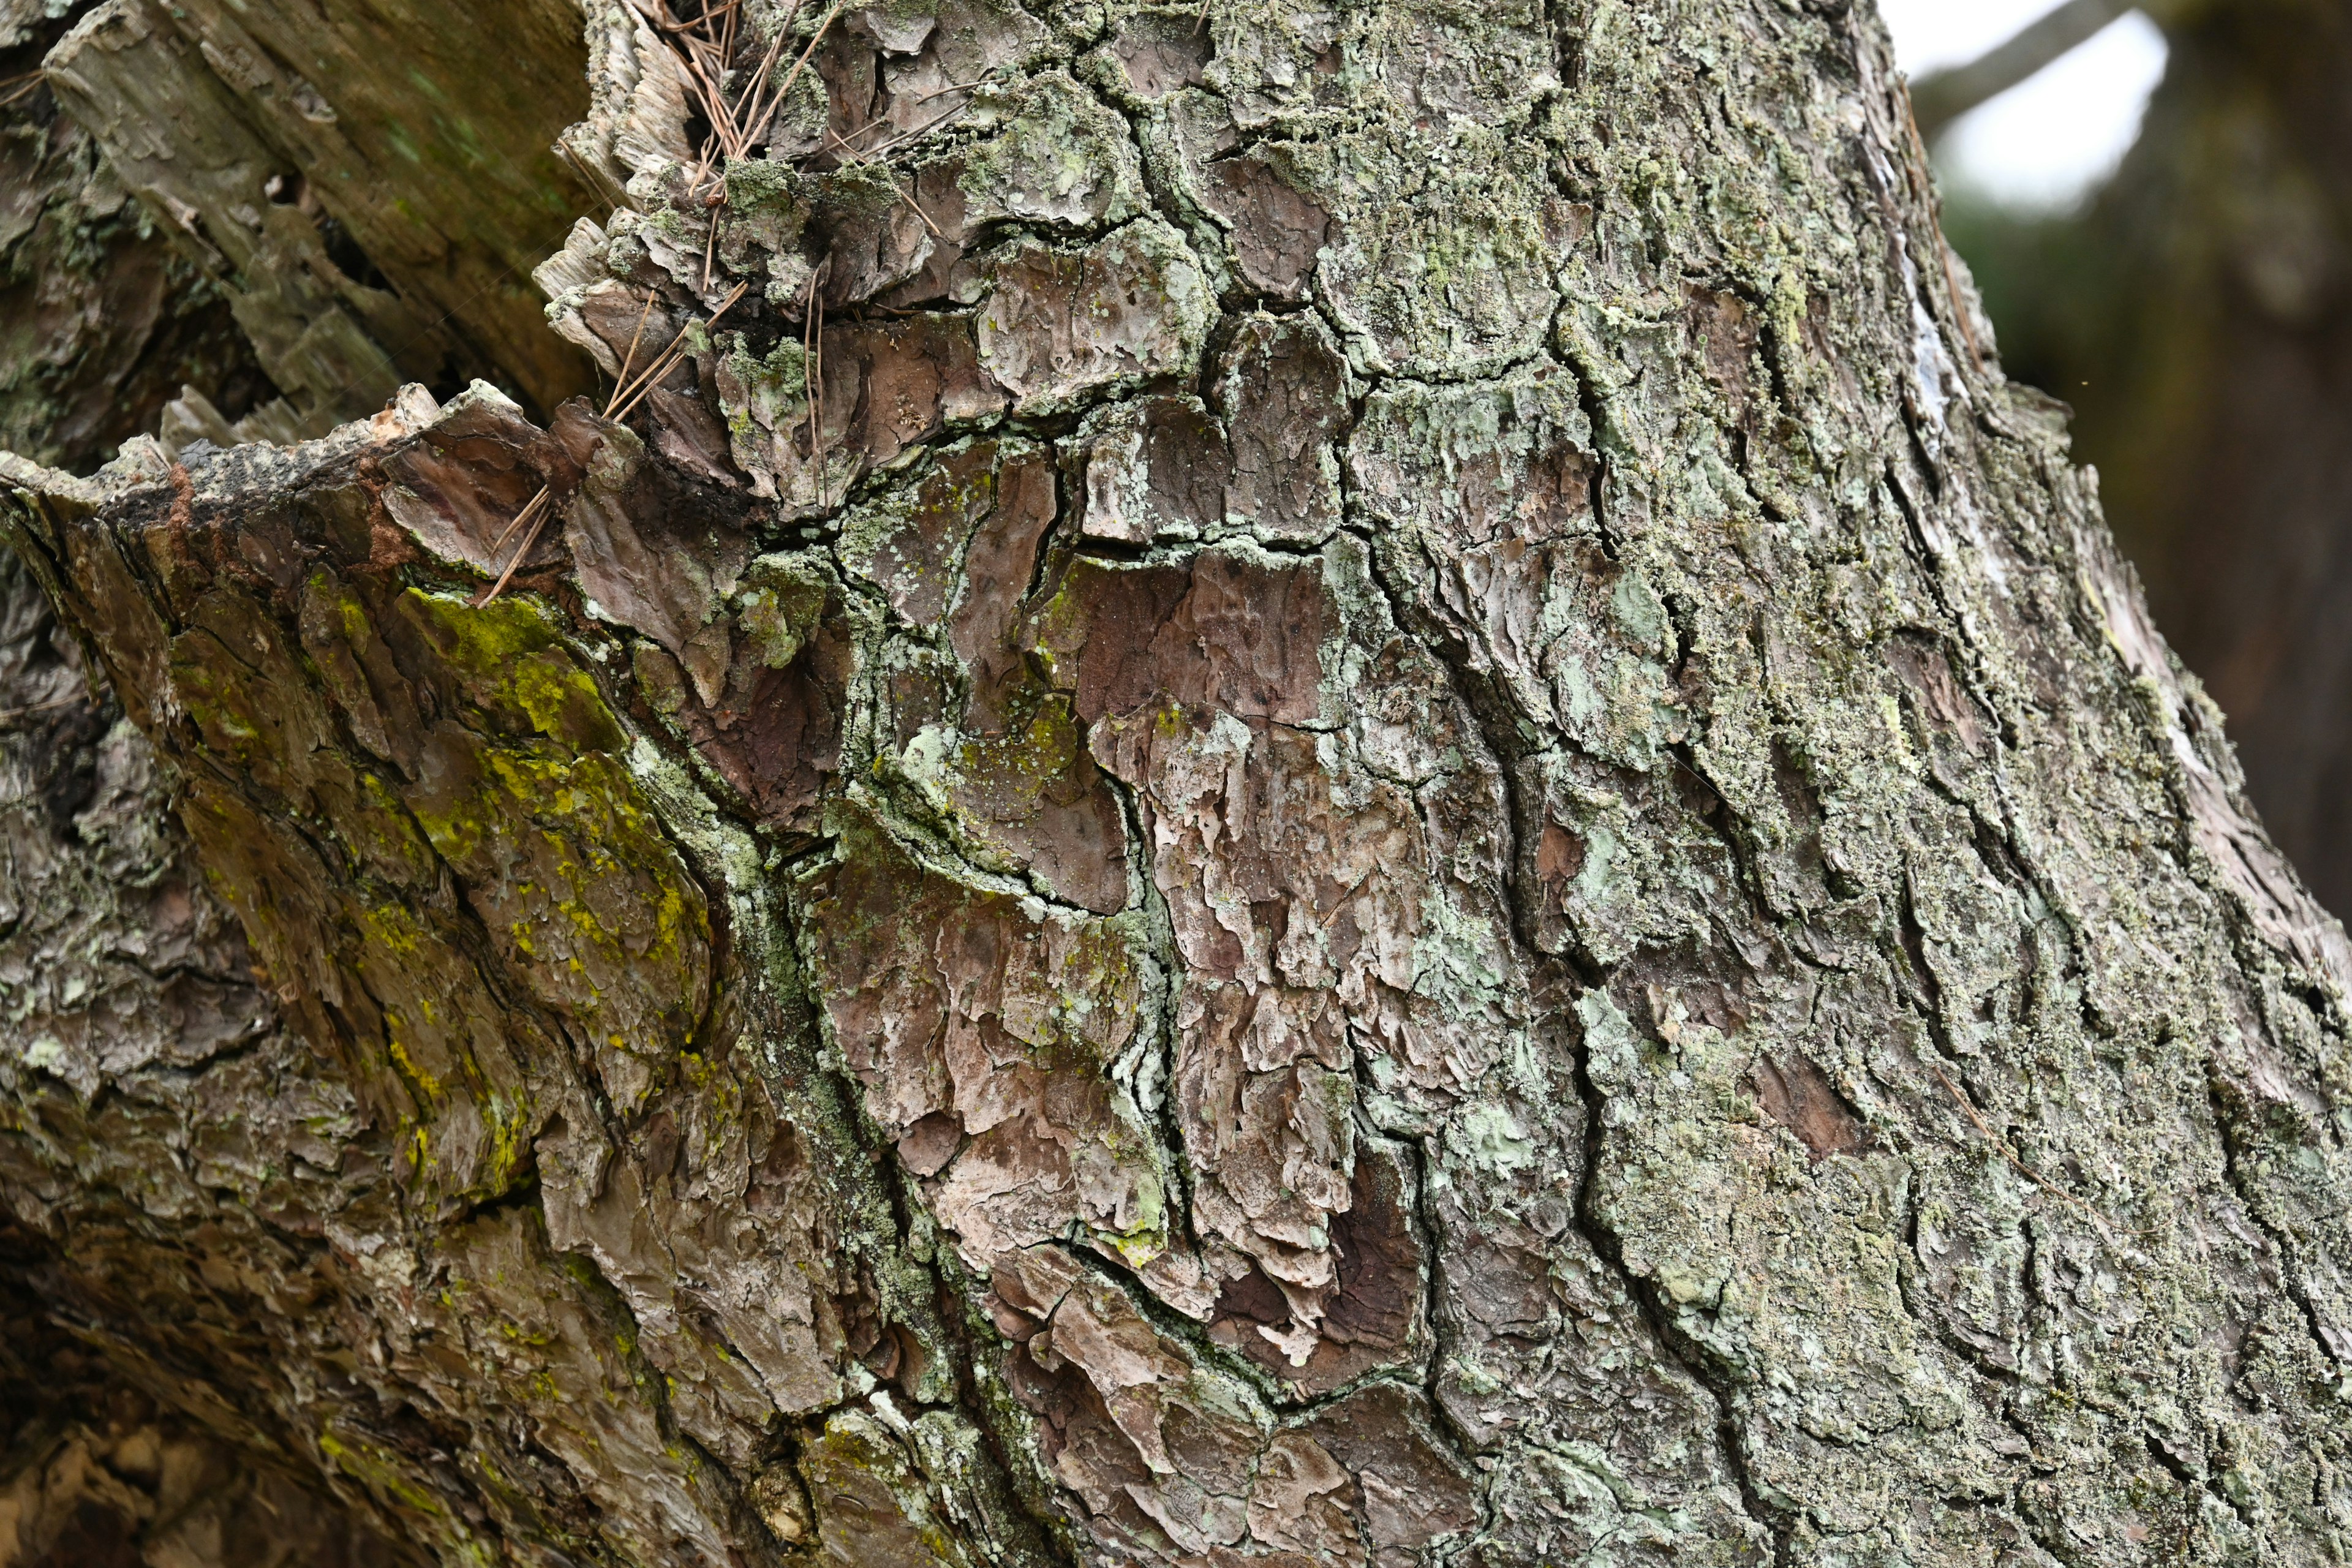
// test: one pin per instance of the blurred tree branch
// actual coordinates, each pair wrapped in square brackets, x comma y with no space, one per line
[1942,97]
[2197,311]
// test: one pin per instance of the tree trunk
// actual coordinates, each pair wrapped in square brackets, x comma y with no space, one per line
[1318,787]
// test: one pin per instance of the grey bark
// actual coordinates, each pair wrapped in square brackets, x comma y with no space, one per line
[1323,787]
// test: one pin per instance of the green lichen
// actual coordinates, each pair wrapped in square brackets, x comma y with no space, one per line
[1058,156]
[508,658]
[388,1475]
[774,385]
[777,606]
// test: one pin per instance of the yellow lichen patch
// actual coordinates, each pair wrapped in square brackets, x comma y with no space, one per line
[590,904]
[508,659]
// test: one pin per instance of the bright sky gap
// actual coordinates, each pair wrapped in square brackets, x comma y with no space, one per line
[2048,141]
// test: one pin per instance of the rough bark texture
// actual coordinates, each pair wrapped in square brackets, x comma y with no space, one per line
[1336,790]
[142,1055]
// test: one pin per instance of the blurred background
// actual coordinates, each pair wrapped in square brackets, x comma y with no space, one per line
[2157,202]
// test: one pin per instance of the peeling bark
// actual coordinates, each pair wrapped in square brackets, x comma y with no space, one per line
[1332,790]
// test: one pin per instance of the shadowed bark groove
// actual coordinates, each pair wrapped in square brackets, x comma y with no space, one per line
[1316,788]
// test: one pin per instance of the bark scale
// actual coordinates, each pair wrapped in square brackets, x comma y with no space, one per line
[1325,787]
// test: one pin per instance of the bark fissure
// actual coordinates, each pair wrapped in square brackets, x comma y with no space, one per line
[1500,729]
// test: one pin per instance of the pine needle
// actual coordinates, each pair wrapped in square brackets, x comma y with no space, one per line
[895,143]
[675,351]
[630,359]
[51,706]
[812,371]
[669,24]
[759,122]
[536,509]
[624,400]
[1967,1108]
[855,156]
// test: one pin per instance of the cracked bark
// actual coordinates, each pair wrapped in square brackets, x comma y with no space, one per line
[1402,824]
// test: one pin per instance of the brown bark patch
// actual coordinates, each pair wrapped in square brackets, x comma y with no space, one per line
[1216,635]
[1150,469]
[1282,388]
[1161,52]
[951,1001]
[1799,1097]
[1275,231]
[1060,325]
[463,480]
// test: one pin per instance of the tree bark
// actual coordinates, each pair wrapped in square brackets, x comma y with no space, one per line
[1317,788]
